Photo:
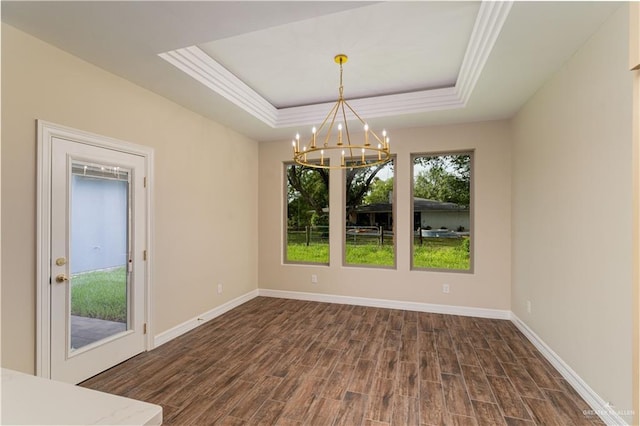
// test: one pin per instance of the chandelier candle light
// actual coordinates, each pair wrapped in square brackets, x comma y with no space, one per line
[352,155]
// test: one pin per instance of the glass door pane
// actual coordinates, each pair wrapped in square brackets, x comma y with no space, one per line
[99,228]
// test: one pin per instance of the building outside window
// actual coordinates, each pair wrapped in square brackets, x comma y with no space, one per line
[442,211]
[370,227]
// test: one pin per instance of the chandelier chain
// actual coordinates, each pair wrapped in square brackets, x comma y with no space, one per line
[341,88]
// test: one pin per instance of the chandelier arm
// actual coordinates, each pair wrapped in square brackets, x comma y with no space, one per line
[333,111]
[377,138]
[354,112]
[335,105]
[364,122]
[346,129]
[333,114]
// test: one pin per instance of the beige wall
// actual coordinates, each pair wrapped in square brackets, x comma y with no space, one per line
[487,287]
[572,213]
[636,243]
[636,231]
[205,187]
[634,63]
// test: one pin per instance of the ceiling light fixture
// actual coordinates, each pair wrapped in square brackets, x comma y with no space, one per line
[372,151]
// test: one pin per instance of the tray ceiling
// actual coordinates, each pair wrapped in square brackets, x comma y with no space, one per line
[265,68]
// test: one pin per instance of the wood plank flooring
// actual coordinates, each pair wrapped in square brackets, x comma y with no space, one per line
[287,362]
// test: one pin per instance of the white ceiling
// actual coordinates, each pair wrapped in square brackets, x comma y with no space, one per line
[266,68]
[385,57]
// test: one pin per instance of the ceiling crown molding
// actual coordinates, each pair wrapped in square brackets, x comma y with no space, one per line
[200,66]
[491,18]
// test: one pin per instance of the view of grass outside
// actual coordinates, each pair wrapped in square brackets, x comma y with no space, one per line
[442,253]
[307,214]
[100,294]
[316,251]
[369,211]
[442,211]
[437,253]
[370,254]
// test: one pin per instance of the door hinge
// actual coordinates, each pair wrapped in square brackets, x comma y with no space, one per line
[144,255]
[144,328]
[145,181]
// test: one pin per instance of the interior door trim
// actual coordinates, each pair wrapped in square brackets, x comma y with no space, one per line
[46,133]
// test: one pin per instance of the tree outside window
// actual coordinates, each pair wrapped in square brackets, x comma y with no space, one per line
[442,205]
[369,229]
[307,235]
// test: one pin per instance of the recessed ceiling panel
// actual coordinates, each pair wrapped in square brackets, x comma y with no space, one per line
[393,47]
[509,54]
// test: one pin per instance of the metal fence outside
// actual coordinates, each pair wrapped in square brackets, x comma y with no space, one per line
[308,235]
[356,235]
[361,235]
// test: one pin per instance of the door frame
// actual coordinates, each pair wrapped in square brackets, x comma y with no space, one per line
[46,133]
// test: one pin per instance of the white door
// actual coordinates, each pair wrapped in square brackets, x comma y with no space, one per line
[97,249]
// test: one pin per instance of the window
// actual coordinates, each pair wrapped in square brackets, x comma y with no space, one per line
[442,205]
[369,233]
[307,227]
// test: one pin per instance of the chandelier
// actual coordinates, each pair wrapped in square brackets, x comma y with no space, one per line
[370,151]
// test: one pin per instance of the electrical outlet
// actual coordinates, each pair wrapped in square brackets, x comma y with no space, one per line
[219,288]
[445,288]
[528,306]
[314,279]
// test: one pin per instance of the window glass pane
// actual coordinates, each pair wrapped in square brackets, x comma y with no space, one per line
[441,211]
[99,253]
[307,238]
[369,238]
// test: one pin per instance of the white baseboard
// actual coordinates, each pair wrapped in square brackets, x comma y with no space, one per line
[189,325]
[194,322]
[598,405]
[390,304]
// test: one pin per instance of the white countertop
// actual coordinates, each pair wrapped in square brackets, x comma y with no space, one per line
[33,400]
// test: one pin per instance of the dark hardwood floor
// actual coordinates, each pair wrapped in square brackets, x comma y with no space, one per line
[287,362]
